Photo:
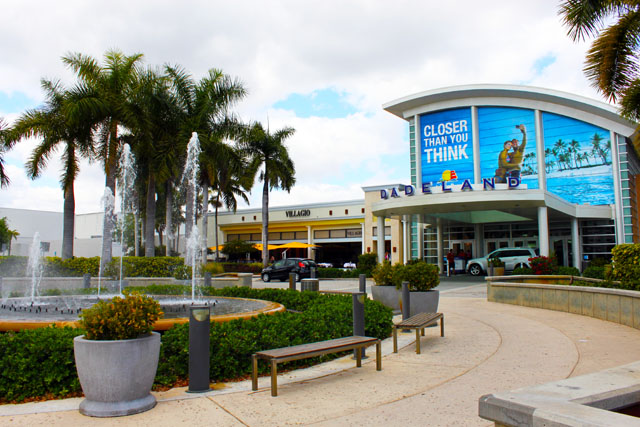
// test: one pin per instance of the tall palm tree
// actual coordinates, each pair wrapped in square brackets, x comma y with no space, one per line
[612,60]
[52,123]
[267,149]
[4,146]
[574,146]
[205,107]
[103,96]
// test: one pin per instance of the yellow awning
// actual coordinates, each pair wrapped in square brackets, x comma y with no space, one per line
[258,246]
[295,245]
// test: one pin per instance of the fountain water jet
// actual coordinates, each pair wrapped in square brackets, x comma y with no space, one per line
[127,178]
[35,267]
[108,202]
[190,174]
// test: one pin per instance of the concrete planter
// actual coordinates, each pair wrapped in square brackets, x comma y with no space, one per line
[421,302]
[424,302]
[387,295]
[116,376]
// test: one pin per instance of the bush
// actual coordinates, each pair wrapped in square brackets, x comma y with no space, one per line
[239,267]
[522,271]
[13,266]
[144,266]
[594,272]
[338,273]
[38,362]
[542,265]
[568,271]
[120,318]
[598,262]
[382,274]
[420,275]
[367,262]
[213,268]
[625,260]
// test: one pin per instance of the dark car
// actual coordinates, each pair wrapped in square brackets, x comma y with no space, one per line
[281,269]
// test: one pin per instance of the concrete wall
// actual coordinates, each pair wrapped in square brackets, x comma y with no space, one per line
[615,305]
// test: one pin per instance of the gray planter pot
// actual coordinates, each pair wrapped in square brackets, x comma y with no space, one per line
[116,376]
[424,302]
[387,295]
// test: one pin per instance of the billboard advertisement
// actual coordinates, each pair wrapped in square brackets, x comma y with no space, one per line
[577,160]
[447,147]
[508,144]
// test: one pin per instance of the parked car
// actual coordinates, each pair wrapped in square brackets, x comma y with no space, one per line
[325,265]
[281,269]
[512,257]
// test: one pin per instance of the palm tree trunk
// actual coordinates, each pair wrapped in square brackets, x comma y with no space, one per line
[215,227]
[110,182]
[265,219]
[205,220]
[168,218]
[68,223]
[149,235]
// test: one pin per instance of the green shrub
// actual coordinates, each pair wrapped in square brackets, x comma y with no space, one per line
[382,274]
[625,260]
[240,267]
[338,273]
[522,271]
[367,262]
[38,362]
[213,268]
[568,271]
[598,262]
[594,272]
[13,266]
[120,318]
[144,266]
[420,275]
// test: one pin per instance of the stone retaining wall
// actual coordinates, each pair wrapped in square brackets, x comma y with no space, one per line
[615,305]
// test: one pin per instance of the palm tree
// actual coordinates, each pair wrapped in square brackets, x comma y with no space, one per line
[103,96]
[574,147]
[54,126]
[4,146]
[267,149]
[611,62]
[205,109]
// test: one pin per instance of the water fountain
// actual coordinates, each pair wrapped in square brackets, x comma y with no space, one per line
[190,175]
[35,267]
[108,202]
[127,178]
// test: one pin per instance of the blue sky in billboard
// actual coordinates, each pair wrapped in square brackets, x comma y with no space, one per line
[577,160]
[447,150]
[499,156]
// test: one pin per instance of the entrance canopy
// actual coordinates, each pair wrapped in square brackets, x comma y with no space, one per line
[295,245]
[258,246]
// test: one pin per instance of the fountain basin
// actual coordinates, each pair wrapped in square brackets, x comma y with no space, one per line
[22,313]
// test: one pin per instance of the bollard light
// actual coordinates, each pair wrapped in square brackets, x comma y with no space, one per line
[292,281]
[358,299]
[199,326]
[406,303]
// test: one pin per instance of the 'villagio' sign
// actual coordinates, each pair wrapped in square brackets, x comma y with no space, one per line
[297,213]
[445,187]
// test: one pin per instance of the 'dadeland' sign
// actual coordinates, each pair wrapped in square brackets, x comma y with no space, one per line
[445,187]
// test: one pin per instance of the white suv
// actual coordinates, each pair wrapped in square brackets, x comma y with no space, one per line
[512,257]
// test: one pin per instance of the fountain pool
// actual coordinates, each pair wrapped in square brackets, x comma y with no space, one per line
[23,313]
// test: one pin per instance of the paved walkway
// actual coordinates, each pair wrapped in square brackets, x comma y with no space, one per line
[488,347]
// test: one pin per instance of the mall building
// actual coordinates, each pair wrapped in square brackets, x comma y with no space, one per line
[490,166]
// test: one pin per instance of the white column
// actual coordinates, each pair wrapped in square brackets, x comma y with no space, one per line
[576,247]
[380,238]
[542,171]
[543,230]
[475,137]
[439,248]
[405,240]
[310,241]
[478,230]
[617,188]
[418,145]
[363,242]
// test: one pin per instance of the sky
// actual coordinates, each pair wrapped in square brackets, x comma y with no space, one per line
[323,67]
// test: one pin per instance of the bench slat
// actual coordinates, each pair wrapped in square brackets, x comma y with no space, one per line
[278,353]
[419,319]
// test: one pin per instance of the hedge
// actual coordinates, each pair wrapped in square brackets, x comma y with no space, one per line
[39,363]
[626,265]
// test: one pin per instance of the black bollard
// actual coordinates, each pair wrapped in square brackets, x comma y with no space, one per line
[199,326]
[292,281]
[313,273]
[358,317]
[363,283]
[406,302]
[86,280]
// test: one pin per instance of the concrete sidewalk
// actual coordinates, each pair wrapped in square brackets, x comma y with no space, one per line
[487,348]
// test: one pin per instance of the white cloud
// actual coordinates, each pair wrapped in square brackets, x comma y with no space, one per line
[372,51]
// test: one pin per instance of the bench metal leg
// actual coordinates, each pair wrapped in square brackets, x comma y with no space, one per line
[395,339]
[359,357]
[442,326]
[422,331]
[254,372]
[274,377]
[417,340]
[378,355]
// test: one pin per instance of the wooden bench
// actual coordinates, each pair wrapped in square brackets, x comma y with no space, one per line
[418,322]
[286,354]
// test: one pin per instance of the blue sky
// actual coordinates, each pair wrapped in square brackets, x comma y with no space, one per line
[323,68]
